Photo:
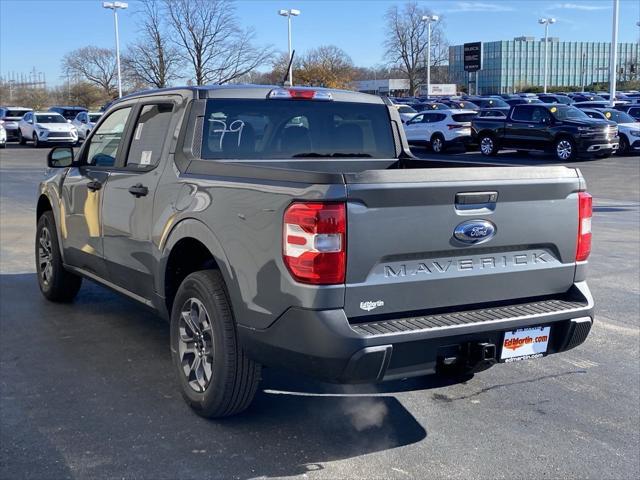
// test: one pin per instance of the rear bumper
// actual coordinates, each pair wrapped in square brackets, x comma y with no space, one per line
[323,344]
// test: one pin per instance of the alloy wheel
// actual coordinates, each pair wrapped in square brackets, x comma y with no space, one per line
[486,145]
[45,256]
[564,149]
[195,345]
[436,144]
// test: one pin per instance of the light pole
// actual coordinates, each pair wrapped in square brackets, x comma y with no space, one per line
[613,54]
[429,19]
[292,12]
[115,6]
[546,22]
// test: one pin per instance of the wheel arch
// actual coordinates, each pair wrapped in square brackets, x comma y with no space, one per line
[191,246]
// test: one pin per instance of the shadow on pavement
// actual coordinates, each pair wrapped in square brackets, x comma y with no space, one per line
[88,391]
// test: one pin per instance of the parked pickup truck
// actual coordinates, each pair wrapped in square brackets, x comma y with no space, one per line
[292,228]
[563,130]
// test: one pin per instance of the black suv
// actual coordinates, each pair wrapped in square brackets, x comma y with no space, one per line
[68,112]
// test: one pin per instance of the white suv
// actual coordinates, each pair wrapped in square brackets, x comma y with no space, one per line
[46,127]
[440,128]
[84,123]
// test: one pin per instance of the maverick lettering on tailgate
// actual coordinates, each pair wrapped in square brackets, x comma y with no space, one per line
[476,263]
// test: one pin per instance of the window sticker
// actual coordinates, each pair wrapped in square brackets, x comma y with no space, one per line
[554,109]
[145,157]
[139,131]
[607,114]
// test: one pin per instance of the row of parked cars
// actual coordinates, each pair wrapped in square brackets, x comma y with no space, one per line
[571,125]
[58,125]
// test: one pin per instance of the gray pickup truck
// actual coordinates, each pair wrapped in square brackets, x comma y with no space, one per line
[292,228]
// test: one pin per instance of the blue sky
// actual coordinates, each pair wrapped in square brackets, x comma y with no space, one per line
[37,33]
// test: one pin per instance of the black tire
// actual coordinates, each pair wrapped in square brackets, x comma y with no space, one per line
[21,139]
[233,378]
[623,146]
[56,283]
[438,144]
[565,149]
[36,142]
[488,145]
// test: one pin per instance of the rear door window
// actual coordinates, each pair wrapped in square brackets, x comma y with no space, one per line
[149,133]
[236,129]
[523,114]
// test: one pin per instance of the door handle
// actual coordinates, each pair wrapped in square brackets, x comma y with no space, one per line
[532,126]
[94,185]
[138,190]
[509,124]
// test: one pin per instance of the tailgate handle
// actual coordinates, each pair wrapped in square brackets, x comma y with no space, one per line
[476,198]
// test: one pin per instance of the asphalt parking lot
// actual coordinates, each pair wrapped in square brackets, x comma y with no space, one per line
[87,390]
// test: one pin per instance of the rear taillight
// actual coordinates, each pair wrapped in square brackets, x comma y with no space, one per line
[453,126]
[314,242]
[584,226]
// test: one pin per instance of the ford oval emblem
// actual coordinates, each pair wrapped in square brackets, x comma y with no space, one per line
[475,231]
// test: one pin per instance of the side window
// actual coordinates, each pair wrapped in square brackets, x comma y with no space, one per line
[104,143]
[150,132]
[523,114]
[540,115]
[427,118]
[417,119]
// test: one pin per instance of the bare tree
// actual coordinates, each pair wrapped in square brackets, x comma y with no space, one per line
[211,40]
[152,60]
[328,66]
[406,43]
[93,64]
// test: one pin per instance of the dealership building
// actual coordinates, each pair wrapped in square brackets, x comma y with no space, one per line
[513,65]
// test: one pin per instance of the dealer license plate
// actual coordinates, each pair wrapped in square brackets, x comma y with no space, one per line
[525,343]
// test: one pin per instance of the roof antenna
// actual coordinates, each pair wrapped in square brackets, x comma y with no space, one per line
[286,73]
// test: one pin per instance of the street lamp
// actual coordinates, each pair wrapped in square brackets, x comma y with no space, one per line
[429,19]
[115,6]
[292,12]
[546,22]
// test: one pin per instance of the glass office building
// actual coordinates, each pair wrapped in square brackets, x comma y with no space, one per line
[511,66]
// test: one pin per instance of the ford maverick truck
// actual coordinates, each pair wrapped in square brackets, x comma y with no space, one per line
[292,228]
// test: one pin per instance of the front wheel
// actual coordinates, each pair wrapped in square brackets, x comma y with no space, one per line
[623,146]
[565,149]
[56,283]
[216,376]
[36,142]
[488,146]
[21,139]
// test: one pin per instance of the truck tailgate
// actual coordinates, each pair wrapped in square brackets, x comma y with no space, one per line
[403,255]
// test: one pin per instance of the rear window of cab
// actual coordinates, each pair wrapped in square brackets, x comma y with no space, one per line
[284,129]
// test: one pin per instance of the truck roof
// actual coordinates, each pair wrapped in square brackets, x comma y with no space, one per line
[250,91]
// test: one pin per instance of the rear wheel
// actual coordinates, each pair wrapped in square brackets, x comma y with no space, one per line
[56,283]
[437,143]
[488,145]
[215,374]
[565,149]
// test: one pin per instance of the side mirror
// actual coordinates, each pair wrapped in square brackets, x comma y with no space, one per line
[30,122]
[60,157]
[68,121]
